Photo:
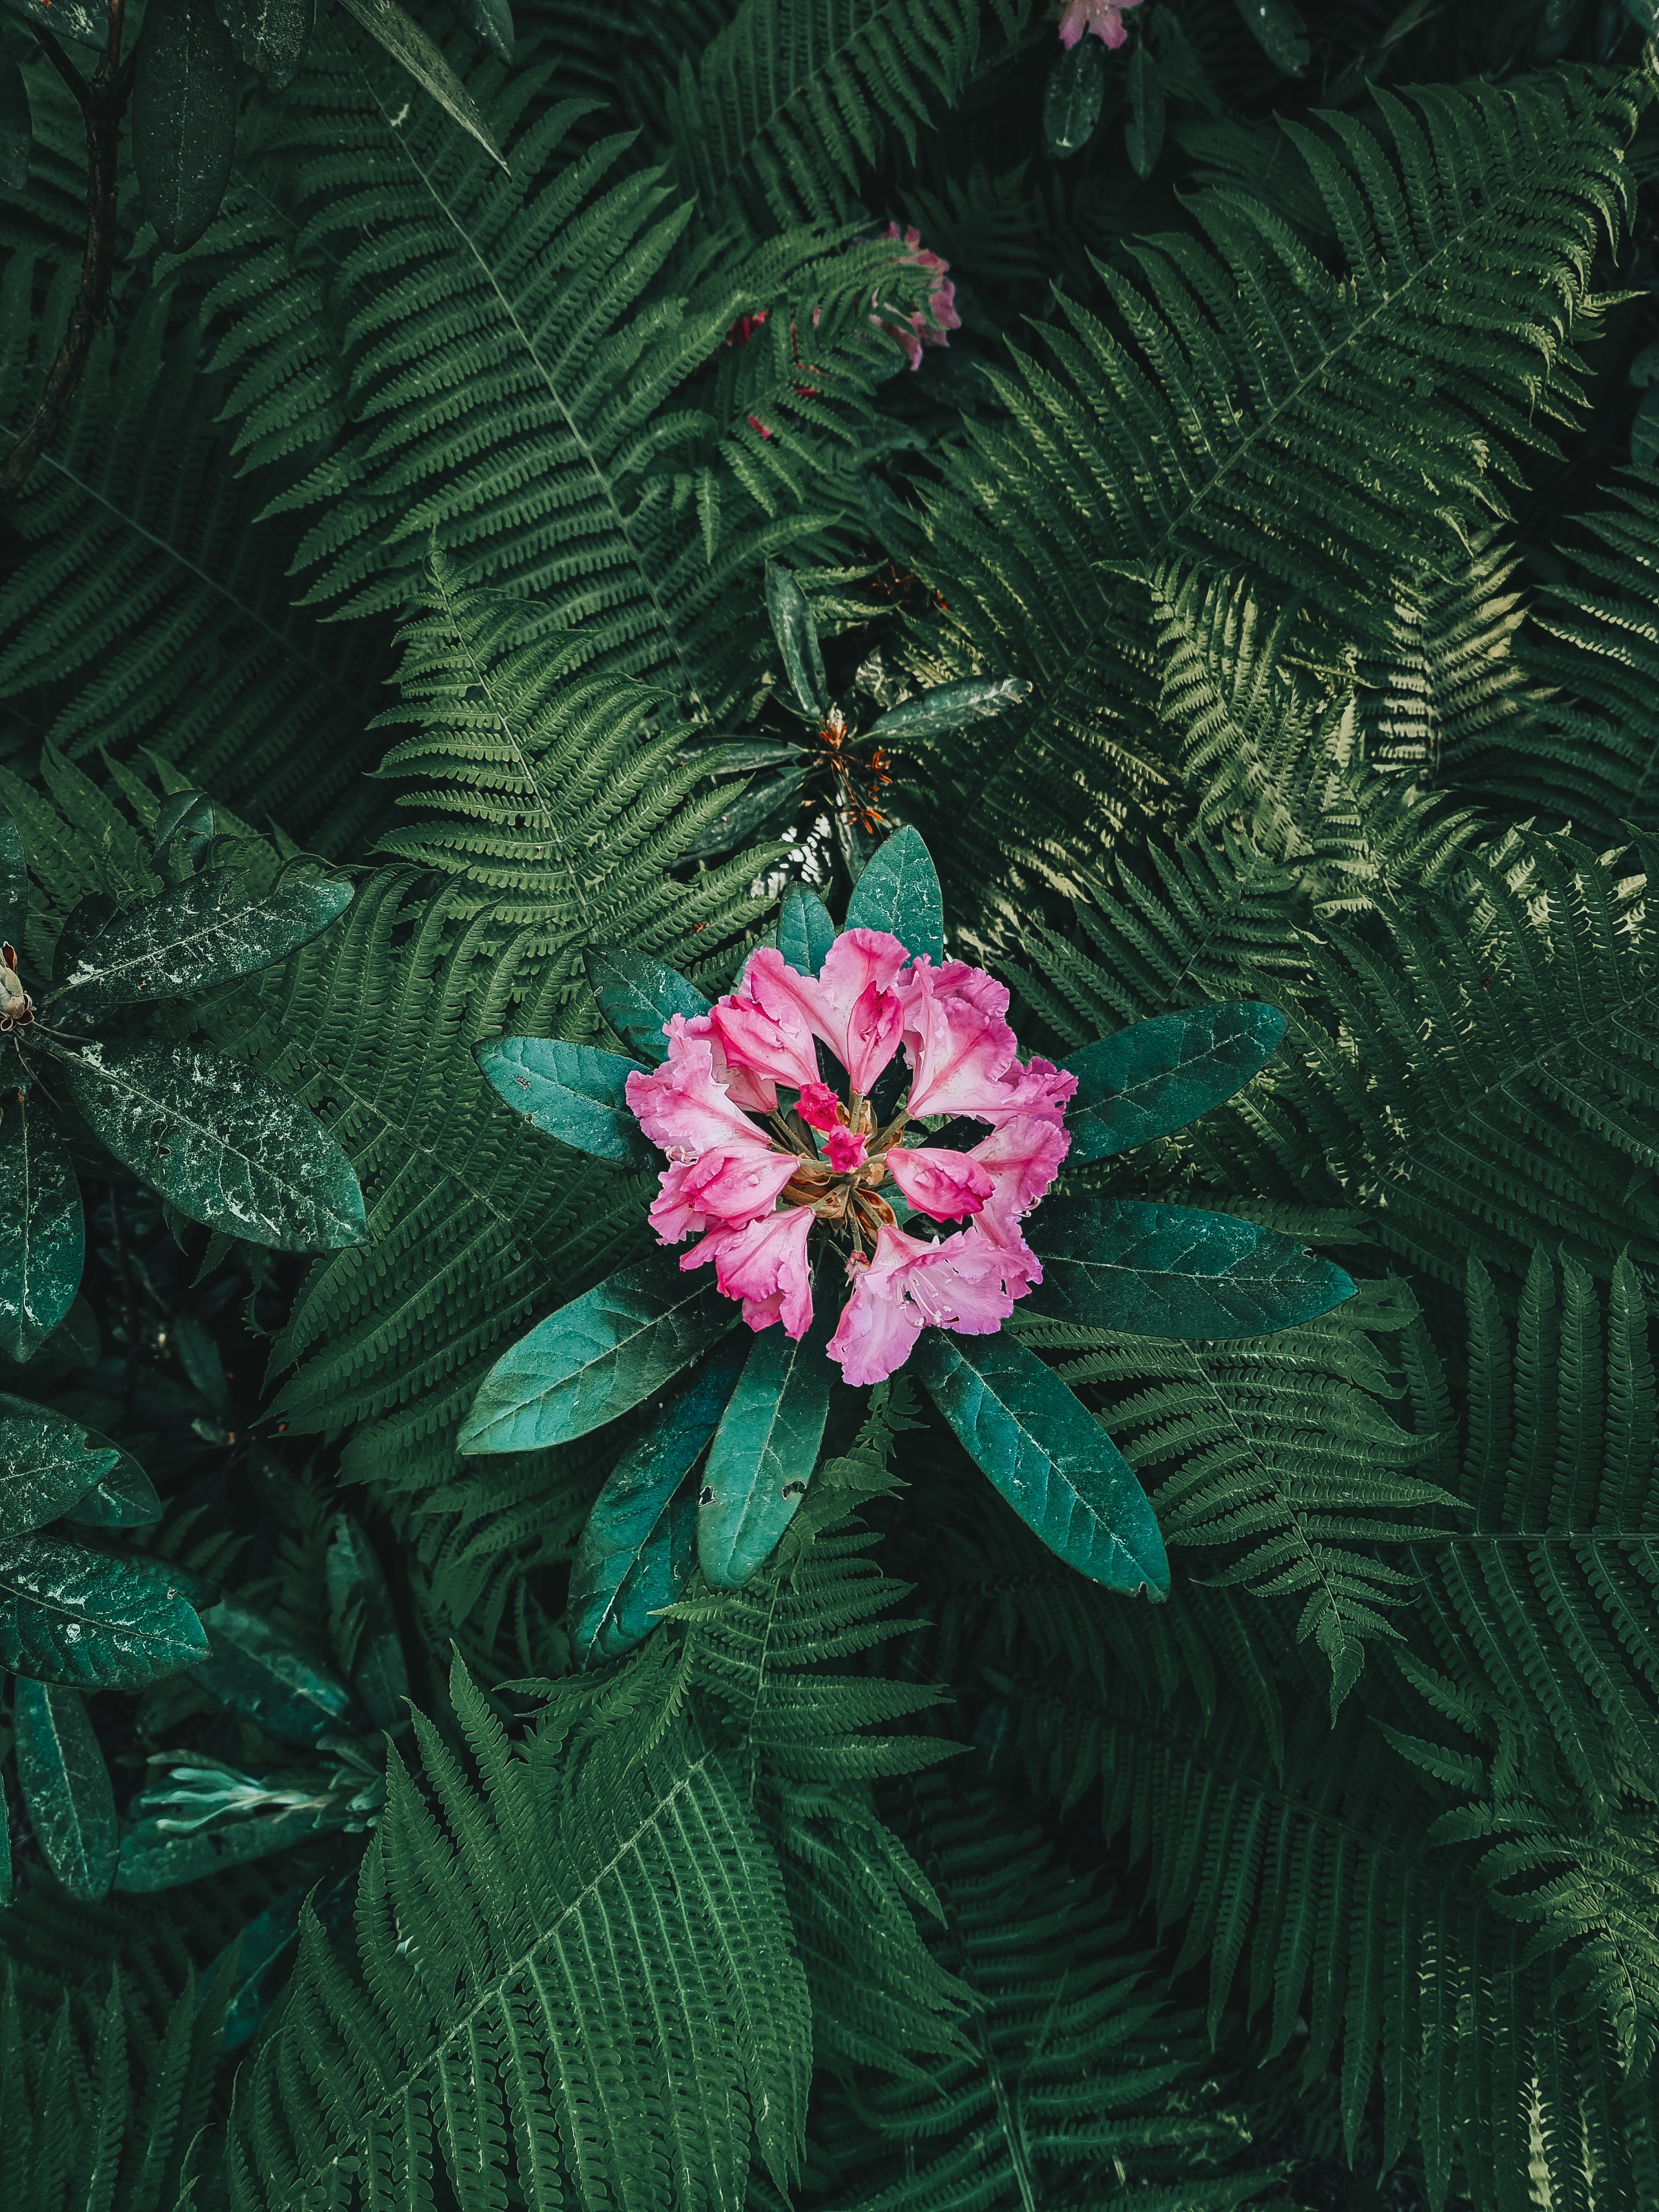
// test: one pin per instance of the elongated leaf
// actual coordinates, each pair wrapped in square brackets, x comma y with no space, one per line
[269,1936]
[257,1670]
[270,35]
[42,1233]
[14,868]
[796,630]
[635,1554]
[948,707]
[152,1858]
[637,995]
[1172,1271]
[75,1616]
[410,47]
[765,1451]
[570,1091]
[66,1787]
[1048,1455]
[228,1147]
[805,932]
[205,930]
[16,124]
[184,117]
[1158,1076]
[1143,135]
[46,1464]
[899,891]
[746,816]
[595,1358]
[188,814]
[1072,100]
[1281,32]
[87,24]
[364,1626]
[742,757]
[123,1498]
[491,22]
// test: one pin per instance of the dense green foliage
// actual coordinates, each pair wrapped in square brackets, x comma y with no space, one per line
[532,510]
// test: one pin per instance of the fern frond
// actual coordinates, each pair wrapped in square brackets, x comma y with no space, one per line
[1447,690]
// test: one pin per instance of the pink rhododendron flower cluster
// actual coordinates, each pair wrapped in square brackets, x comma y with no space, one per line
[928,324]
[749,1178]
[1103,17]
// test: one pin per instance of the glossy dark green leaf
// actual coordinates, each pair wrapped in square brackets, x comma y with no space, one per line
[1143,135]
[87,24]
[411,48]
[86,917]
[270,35]
[491,22]
[570,1091]
[805,932]
[1158,1076]
[899,891]
[47,1463]
[73,1615]
[637,995]
[1173,1270]
[16,124]
[744,756]
[364,1626]
[66,1787]
[1048,1455]
[1280,31]
[765,1448]
[267,1939]
[796,630]
[595,1358]
[125,1498]
[635,1554]
[184,117]
[948,707]
[258,1671]
[198,1355]
[187,814]
[13,878]
[226,1145]
[42,1235]
[745,817]
[1072,100]
[203,930]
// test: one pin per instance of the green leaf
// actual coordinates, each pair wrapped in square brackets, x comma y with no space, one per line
[270,36]
[747,812]
[1048,1455]
[228,1147]
[87,26]
[261,1673]
[595,1358]
[66,1787]
[123,1498]
[948,707]
[42,1235]
[153,1859]
[1173,1270]
[1143,135]
[899,891]
[571,1091]
[796,630]
[637,995]
[80,1617]
[1280,31]
[14,868]
[363,1625]
[1158,1075]
[184,117]
[188,814]
[410,47]
[1072,101]
[491,22]
[636,1550]
[765,1449]
[16,124]
[47,1463]
[805,932]
[203,930]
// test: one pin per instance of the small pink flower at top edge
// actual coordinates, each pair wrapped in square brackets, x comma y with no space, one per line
[754,1195]
[1103,17]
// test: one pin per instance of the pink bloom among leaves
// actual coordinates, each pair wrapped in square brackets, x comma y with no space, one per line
[945,1186]
[845,1150]
[1103,17]
[926,325]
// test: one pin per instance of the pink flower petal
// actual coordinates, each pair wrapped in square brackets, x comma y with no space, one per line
[944,1185]
[731,1188]
[966,1284]
[765,1265]
[682,1107]
[1021,1158]
[818,1107]
[959,1045]
[766,1037]
[845,1150]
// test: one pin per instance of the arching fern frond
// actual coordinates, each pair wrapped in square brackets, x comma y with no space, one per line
[1447,688]
[790,103]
